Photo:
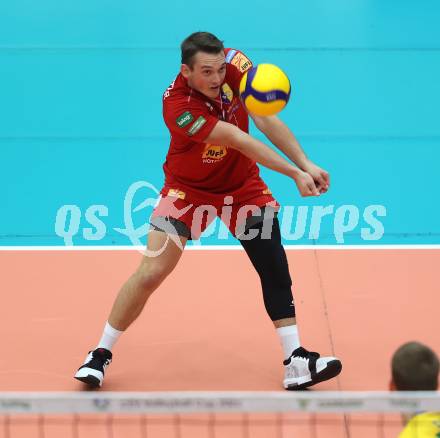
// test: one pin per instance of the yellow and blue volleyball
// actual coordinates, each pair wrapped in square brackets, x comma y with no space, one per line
[265,90]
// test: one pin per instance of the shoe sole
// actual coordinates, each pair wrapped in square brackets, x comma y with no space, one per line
[332,369]
[89,380]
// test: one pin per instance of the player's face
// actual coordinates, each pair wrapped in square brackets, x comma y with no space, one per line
[207,74]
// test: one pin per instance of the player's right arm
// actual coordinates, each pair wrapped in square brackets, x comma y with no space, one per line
[227,134]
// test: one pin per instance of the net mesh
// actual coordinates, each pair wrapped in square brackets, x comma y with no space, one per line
[211,415]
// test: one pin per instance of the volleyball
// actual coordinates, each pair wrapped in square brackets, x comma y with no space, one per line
[265,90]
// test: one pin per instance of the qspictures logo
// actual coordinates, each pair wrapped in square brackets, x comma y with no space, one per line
[296,222]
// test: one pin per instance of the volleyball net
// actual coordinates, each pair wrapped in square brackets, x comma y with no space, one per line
[210,414]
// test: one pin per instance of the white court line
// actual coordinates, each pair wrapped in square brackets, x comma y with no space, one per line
[190,247]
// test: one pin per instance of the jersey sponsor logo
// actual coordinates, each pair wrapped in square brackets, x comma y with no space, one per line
[241,62]
[197,125]
[176,193]
[227,93]
[184,119]
[230,55]
[213,153]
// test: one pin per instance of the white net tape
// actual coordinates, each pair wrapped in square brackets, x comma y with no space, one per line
[197,402]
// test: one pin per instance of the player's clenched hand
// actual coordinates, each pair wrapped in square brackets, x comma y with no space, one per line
[305,184]
[320,176]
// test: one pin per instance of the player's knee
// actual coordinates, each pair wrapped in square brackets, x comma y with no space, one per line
[151,275]
[149,281]
[274,272]
[276,279]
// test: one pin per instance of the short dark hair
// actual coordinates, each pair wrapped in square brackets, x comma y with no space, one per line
[415,367]
[199,42]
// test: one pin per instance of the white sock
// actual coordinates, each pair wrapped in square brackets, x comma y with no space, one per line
[109,337]
[289,339]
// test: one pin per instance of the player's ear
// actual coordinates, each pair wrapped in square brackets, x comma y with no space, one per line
[185,70]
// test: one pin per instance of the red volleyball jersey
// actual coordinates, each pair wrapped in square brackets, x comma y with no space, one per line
[195,170]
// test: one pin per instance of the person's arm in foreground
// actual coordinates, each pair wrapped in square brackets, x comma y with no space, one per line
[230,135]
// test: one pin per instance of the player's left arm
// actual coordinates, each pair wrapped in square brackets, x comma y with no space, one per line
[284,139]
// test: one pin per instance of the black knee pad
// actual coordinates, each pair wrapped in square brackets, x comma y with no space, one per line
[269,259]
